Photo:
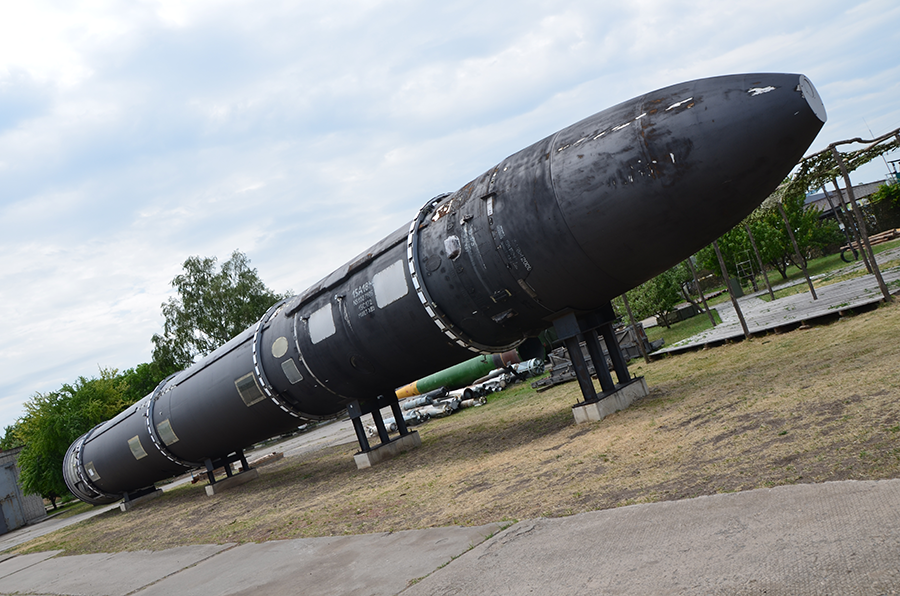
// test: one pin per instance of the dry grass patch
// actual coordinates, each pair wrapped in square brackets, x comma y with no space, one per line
[808,406]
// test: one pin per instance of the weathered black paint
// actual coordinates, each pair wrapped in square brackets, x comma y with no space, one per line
[562,226]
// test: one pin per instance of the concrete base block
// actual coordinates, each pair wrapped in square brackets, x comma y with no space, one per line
[129,505]
[236,480]
[610,403]
[383,452]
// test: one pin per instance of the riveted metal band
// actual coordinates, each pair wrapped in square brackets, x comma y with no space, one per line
[79,468]
[258,369]
[440,320]
[161,390]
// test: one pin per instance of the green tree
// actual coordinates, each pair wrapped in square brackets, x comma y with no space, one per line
[887,193]
[886,205]
[660,295]
[211,308]
[772,239]
[733,244]
[52,421]
[141,380]
[10,438]
[811,233]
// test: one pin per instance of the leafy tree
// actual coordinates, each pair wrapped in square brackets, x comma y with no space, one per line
[52,421]
[660,295]
[810,232]
[886,205]
[772,239]
[141,380]
[733,244]
[887,193]
[10,438]
[211,308]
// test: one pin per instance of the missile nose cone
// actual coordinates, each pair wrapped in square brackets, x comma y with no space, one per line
[809,93]
[666,173]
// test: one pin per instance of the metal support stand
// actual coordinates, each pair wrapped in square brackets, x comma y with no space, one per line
[572,330]
[368,455]
[614,396]
[357,410]
[225,462]
[134,498]
[137,494]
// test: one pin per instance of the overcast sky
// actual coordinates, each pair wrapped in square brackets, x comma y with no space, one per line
[135,134]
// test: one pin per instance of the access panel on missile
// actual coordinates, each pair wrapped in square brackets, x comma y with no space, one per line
[560,227]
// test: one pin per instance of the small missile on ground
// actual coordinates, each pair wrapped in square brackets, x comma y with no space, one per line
[462,374]
[560,227]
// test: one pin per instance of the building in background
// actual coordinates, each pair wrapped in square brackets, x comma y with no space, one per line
[18,509]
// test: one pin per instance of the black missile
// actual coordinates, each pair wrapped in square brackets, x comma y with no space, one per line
[560,227]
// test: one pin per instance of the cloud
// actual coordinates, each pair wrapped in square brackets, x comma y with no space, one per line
[136,134]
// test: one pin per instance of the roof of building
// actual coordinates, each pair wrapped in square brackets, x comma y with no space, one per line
[860,191]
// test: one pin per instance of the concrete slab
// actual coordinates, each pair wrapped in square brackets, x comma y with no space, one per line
[832,538]
[612,403]
[51,524]
[387,451]
[16,563]
[103,575]
[370,565]
[231,482]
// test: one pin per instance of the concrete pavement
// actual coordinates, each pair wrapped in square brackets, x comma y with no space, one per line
[833,538]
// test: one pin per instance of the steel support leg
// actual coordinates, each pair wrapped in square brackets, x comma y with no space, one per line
[595,350]
[398,417]
[209,470]
[379,425]
[581,370]
[615,352]
[355,411]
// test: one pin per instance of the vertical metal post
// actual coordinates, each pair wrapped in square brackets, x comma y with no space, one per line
[800,261]
[700,291]
[398,416]
[379,425]
[595,351]
[862,224]
[361,435]
[760,261]
[640,340]
[615,353]
[854,228]
[838,214]
[355,411]
[734,302]
[581,370]
[210,475]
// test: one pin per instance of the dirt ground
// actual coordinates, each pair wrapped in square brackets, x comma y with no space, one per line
[808,406]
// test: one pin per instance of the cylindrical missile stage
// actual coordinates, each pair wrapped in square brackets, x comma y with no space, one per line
[562,226]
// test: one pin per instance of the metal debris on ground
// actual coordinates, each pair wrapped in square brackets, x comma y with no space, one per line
[562,371]
[440,402]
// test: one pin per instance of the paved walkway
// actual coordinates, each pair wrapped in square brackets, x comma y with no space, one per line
[763,316]
[325,435]
[833,538]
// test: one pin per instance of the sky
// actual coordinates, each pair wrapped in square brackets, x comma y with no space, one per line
[135,134]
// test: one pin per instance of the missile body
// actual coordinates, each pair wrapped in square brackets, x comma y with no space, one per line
[562,226]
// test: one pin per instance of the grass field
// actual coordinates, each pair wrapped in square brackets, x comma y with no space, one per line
[804,407]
